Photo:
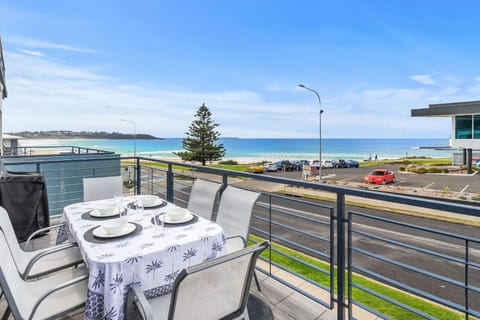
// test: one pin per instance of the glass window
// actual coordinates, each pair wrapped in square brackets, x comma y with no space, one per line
[463,127]
[476,126]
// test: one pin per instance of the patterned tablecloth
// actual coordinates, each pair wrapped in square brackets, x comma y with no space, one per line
[152,257]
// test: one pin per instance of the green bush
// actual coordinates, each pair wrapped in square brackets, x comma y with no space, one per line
[435,170]
[421,170]
[462,197]
[401,168]
[229,162]
[476,198]
[445,170]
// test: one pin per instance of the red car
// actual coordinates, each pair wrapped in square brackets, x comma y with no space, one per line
[379,176]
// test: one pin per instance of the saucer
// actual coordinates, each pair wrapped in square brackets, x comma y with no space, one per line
[97,214]
[100,232]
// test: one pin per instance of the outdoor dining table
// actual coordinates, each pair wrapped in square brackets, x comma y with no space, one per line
[151,256]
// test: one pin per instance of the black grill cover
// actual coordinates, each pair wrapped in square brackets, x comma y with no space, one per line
[24,196]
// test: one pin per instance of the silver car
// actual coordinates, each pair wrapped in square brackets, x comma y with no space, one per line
[269,166]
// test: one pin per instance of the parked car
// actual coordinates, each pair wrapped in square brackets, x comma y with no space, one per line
[270,167]
[340,163]
[353,164]
[256,168]
[299,164]
[285,165]
[327,164]
[315,164]
[380,176]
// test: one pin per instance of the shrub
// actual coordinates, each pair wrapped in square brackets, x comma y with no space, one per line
[229,162]
[421,170]
[446,188]
[401,168]
[435,170]
[462,197]
[445,170]
[476,198]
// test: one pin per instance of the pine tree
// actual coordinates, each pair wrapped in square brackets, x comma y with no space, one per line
[201,137]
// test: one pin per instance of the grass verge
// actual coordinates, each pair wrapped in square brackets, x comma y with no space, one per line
[380,305]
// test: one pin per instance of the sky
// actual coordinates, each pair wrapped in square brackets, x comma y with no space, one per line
[85,65]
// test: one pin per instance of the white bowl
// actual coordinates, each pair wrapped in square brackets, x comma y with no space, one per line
[149,200]
[114,226]
[106,209]
[175,214]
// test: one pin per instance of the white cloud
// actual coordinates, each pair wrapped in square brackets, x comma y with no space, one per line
[33,53]
[38,44]
[423,79]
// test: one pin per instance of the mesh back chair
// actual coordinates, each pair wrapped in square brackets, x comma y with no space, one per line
[214,289]
[46,298]
[33,264]
[234,215]
[202,198]
[101,188]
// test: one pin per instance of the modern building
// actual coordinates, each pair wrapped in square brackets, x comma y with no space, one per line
[465,132]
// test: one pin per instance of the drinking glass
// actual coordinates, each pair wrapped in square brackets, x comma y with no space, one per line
[158,221]
[118,199]
[138,205]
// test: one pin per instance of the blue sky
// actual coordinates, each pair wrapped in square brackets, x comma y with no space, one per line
[84,65]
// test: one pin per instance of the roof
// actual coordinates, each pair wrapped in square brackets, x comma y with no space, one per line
[11,137]
[3,94]
[448,109]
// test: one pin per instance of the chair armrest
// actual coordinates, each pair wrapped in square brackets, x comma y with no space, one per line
[35,233]
[56,288]
[42,254]
[142,303]
[235,237]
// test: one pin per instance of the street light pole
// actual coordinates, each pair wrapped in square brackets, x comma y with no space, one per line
[319,129]
[134,136]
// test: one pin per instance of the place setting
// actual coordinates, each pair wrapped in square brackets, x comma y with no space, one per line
[118,227]
[174,217]
[147,202]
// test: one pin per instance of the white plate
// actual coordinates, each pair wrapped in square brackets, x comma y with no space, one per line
[188,216]
[100,232]
[154,204]
[97,214]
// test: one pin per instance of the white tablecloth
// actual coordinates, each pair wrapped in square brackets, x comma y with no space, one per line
[152,258]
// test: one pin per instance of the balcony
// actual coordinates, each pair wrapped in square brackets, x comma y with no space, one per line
[331,246]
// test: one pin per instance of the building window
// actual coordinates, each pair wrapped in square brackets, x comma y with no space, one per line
[463,127]
[476,126]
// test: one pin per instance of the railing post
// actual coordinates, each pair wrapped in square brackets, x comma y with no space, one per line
[169,183]
[138,180]
[340,255]
[38,167]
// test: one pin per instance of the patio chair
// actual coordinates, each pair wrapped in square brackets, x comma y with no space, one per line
[234,215]
[214,289]
[202,198]
[46,298]
[101,188]
[33,264]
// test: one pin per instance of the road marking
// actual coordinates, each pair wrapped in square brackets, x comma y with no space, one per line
[431,184]
[463,190]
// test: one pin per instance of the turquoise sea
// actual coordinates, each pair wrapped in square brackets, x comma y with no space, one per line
[272,149]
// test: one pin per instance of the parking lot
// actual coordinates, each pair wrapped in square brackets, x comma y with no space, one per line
[441,182]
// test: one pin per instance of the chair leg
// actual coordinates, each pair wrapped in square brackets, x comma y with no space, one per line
[6,314]
[256,281]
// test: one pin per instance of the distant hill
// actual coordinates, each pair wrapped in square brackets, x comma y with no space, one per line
[66,134]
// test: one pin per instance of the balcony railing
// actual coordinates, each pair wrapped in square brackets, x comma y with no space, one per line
[354,247]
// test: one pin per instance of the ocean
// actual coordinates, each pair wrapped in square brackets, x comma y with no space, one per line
[270,149]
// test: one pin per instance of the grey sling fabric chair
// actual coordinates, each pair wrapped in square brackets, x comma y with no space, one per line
[212,290]
[33,264]
[46,298]
[202,197]
[234,215]
[101,188]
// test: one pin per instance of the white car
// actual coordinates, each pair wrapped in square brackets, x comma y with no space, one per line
[270,167]
[327,164]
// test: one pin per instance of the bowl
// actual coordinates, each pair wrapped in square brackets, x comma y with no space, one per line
[175,214]
[149,200]
[114,226]
[106,209]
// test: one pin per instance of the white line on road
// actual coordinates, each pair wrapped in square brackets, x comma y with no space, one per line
[427,186]
[463,190]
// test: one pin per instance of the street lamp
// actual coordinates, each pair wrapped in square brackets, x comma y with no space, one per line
[320,131]
[134,136]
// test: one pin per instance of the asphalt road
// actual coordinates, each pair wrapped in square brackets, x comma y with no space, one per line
[455,183]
